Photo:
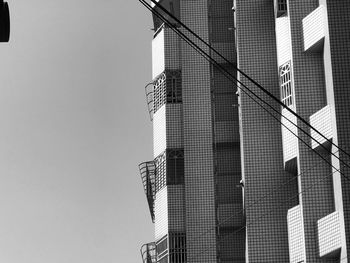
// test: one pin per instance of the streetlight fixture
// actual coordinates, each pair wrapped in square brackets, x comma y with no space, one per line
[4,22]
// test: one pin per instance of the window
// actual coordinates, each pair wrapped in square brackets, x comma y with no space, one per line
[160,163]
[177,247]
[169,168]
[175,167]
[159,92]
[286,85]
[174,91]
[281,7]
[162,247]
[167,89]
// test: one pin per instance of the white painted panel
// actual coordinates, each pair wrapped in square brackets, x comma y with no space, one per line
[283,38]
[314,28]
[329,238]
[161,213]
[159,131]
[321,120]
[296,235]
[289,140]
[158,54]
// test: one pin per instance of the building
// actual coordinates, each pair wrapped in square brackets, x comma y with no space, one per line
[193,182]
[297,205]
[296,189]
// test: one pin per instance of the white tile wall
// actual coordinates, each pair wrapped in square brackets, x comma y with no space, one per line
[321,120]
[296,235]
[159,131]
[329,238]
[290,141]
[283,38]
[158,56]
[314,28]
[161,213]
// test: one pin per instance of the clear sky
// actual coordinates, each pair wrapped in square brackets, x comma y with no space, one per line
[73,128]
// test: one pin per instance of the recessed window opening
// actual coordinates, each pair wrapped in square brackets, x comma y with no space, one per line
[286,85]
[282,8]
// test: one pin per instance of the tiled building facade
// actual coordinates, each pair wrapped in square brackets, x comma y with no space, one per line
[208,134]
[297,50]
[197,204]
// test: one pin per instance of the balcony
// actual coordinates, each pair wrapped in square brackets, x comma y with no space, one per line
[290,141]
[329,238]
[147,171]
[295,235]
[314,30]
[321,121]
[148,253]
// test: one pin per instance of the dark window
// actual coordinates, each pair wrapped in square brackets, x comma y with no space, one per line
[281,7]
[169,168]
[174,89]
[177,247]
[162,247]
[175,167]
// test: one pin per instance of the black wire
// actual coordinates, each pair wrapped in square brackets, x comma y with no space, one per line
[233,80]
[248,77]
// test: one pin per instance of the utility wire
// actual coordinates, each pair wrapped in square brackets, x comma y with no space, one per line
[246,76]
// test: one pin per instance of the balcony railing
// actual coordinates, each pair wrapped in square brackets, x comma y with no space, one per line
[147,171]
[148,253]
[149,89]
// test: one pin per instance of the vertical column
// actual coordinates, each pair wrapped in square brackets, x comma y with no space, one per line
[316,180]
[268,189]
[337,48]
[198,143]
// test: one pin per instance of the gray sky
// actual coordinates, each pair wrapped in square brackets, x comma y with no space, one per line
[74,126]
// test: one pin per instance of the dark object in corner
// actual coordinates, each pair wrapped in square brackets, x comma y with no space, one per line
[4,22]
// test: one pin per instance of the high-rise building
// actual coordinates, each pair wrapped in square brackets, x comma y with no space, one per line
[296,179]
[193,182]
[297,205]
